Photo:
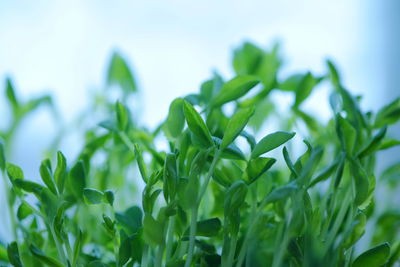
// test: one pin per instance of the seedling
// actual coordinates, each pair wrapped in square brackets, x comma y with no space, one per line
[226,192]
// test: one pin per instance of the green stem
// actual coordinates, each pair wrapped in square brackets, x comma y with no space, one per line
[170,238]
[11,212]
[193,222]
[160,254]
[127,141]
[232,249]
[60,249]
[193,228]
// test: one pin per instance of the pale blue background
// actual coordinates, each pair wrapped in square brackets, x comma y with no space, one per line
[62,47]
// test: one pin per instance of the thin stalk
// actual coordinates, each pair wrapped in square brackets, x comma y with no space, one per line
[232,249]
[193,228]
[193,222]
[161,248]
[170,238]
[60,249]
[144,256]
[11,212]
[160,254]
[127,141]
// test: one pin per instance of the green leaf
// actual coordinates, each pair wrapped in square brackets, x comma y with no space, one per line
[208,227]
[60,173]
[77,179]
[122,116]
[24,210]
[176,118]
[257,167]
[374,257]
[305,87]
[2,157]
[170,177]
[47,178]
[11,96]
[247,59]
[347,134]
[234,89]
[271,142]
[140,162]
[43,258]
[153,231]
[282,192]
[361,181]
[357,230]
[28,186]
[92,196]
[119,74]
[334,74]
[389,143]
[124,251]
[230,152]
[374,144]
[77,248]
[234,197]
[389,114]
[197,125]
[13,255]
[289,162]
[130,219]
[14,172]
[235,125]
[109,197]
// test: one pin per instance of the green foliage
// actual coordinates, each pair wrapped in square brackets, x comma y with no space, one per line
[210,197]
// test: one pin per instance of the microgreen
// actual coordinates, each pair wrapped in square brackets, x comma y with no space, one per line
[225,192]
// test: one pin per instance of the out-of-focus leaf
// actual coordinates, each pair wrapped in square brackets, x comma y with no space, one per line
[120,74]
[374,257]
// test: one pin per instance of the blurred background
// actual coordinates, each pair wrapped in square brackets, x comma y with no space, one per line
[63,48]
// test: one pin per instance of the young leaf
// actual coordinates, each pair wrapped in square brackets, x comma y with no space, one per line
[92,196]
[153,231]
[60,173]
[176,118]
[13,255]
[43,258]
[47,178]
[389,114]
[11,96]
[289,162]
[77,179]
[14,172]
[122,116]
[346,133]
[208,227]
[197,125]
[281,193]
[28,186]
[234,197]
[271,142]
[141,164]
[109,197]
[120,74]
[235,125]
[24,210]
[374,257]
[234,89]
[2,157]
[170,177]
[374,144]
[77,248]
[257,167]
